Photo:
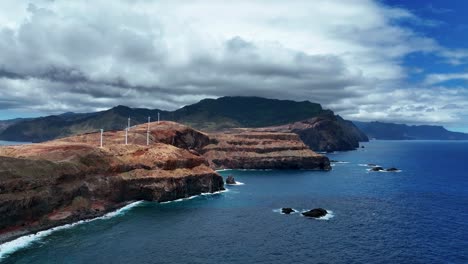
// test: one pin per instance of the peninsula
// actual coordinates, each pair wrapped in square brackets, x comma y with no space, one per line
[65,180]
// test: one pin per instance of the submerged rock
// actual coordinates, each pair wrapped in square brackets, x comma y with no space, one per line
[287,210]
[230,180]
[392,169]
[371,165]
[377,169]
[316,213]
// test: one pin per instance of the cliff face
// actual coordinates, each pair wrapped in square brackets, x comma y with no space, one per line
[61,181]
[326,132]
[244,149]
[57,182]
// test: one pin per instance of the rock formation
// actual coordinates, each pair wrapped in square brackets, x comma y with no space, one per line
[56,182]
[287,210]
[325,132]
[315,213]
[61,181]
[230,180]
[246,149]
[377,168]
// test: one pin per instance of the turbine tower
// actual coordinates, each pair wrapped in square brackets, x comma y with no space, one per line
[102,132]
[148,131]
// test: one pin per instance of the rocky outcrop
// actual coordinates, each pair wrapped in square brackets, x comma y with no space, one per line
[230,180]
[246,149]
[315,213]
[287,210]
[61,181]
[325,132]
[377,168]
[57,182]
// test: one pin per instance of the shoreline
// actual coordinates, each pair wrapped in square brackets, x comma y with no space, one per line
[26,237]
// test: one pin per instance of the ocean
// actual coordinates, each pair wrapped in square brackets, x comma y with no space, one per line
[417,215]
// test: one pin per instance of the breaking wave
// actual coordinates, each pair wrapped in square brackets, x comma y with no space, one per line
[10,247]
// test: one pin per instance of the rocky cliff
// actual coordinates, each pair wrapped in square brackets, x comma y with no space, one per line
[56,182]
[245,149]
[326,132]
[61,181]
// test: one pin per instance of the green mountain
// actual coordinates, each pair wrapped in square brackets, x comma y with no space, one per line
[230,112]
[208,115]
[391,131]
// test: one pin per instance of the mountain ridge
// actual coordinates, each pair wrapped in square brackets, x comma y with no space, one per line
[219,114]
[395,131]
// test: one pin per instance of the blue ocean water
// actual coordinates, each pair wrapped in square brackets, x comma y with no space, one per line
[418,215]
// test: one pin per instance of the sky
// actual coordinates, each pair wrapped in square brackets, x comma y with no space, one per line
[385,60]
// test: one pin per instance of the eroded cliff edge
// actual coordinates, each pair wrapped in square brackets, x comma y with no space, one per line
[245,149]
[62,181]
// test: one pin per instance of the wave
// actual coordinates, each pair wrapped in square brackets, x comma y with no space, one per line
[237,183]
[340,162]
[244,170]
[384,170]
[369,165]
[194,196]
[10,247]
[328,216]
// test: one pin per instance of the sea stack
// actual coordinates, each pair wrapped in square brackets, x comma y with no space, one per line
[230,180]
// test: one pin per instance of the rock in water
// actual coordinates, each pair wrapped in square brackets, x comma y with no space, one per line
[316,213]
[230,180]
[393,169]
[377,169]
[287,210]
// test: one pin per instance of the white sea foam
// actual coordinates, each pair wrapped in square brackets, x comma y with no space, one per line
[194,196]
[340,162]
[255,169]
[24,241]
[328,216]
[237,183]
[369,165]
[224,170]
[221,170]
[384,170]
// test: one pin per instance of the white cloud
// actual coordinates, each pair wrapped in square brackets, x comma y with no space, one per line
[347,55]
[444,77]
